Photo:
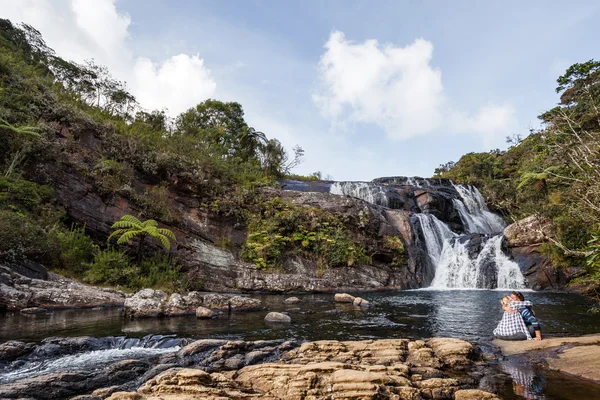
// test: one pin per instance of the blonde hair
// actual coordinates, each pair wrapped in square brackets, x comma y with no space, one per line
[505,300]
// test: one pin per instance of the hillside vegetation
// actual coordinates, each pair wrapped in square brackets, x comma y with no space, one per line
[554,173]
[49,105]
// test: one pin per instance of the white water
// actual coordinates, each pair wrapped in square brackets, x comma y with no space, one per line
[456,270]
[83,361]
[474,212]
[370,192]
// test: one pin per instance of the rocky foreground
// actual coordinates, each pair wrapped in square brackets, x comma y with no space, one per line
[437,368]
[579,356]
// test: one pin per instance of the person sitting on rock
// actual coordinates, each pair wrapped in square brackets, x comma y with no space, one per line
[525,309]
[511,326]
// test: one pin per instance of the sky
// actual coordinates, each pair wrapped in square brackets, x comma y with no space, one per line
[366,88]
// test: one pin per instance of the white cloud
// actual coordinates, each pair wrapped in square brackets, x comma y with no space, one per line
[177,83]
[397,89]
[80,29]
[394,87]
[492,122]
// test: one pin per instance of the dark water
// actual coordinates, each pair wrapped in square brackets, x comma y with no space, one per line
[470,314]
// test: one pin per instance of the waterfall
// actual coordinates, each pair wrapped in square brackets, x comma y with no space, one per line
[436,235]
[456,269]
[472,260]
[474,212]
[456,266]
[369,192]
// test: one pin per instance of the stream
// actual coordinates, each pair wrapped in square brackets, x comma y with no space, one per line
[466,314]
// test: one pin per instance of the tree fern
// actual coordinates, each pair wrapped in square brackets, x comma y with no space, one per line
[130,227]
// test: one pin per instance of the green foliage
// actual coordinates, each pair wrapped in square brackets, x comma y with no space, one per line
[72,249]
[111,267]
[129,227]
[111,176]
[21,238]
[394,243]
[279,228]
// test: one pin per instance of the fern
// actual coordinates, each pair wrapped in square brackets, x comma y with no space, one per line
[130,227]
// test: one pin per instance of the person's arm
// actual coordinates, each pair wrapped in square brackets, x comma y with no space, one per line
[538,335]
[525,303]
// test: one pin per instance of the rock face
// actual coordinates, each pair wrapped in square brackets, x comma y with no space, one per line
[368,369]
[527,232]
[155,303]
[20,292]
[524,239]
[572,355]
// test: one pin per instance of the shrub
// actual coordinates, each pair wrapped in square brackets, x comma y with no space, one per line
[111,267]
[20,238]
[72,249]
[280,228]
[160,272]
[111,176]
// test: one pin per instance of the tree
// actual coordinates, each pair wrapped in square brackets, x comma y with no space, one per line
[129,227]
[19,142]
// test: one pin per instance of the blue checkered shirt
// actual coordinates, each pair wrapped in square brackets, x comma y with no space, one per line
[511,324]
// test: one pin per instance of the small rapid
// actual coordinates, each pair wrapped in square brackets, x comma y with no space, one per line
[52,357]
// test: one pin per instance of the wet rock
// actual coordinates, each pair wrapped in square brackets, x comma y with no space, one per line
[200,346]
[474,394]
[14,349]
[34,310]
[360,302]
[146,303]
[19,292]
[291,300]
[452,352]
[206,313]
[105,392]
[277,317]
[343,298]
[70,384]
[240,303]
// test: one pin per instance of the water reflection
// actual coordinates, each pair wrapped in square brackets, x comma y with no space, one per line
[410,314]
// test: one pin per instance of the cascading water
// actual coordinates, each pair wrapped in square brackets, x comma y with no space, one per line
[473,260]
[474,212]
[455,265]
[456,269]
[112,350]
[369,192]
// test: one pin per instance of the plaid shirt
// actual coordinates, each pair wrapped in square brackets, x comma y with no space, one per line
[511,324]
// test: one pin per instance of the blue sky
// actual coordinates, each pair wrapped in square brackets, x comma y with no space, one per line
[368,89]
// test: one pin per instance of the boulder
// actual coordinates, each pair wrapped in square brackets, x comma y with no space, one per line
[146,303]
[360,302]
[18,291]
[13,349]
[291,300]
[221,302]
[277,317]
[176,305]
[343,298]
[206,313]
[527,231]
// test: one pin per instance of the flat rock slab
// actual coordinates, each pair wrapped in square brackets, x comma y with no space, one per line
[579,356]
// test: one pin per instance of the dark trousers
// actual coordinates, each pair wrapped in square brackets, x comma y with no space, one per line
[514,336]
